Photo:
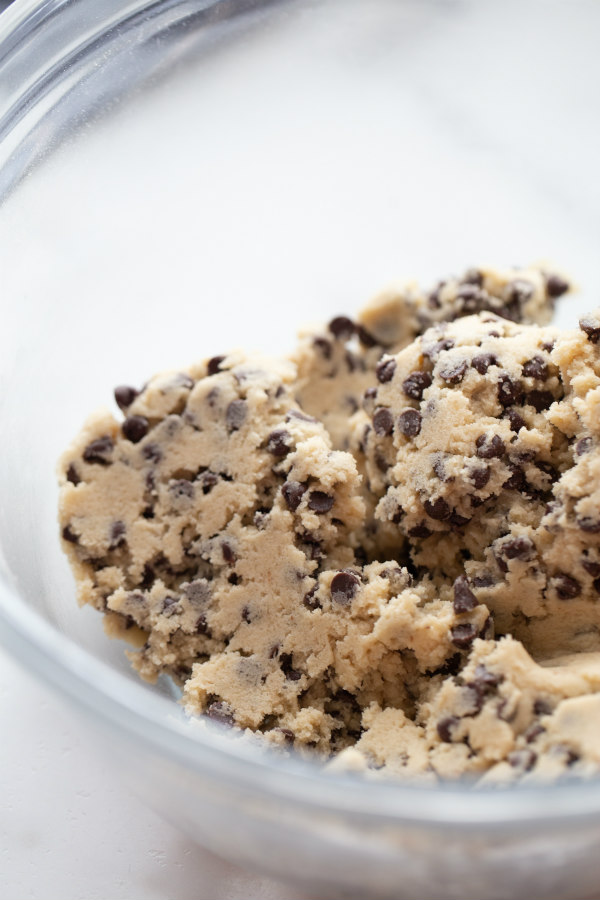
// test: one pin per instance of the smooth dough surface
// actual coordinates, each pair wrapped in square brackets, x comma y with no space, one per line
[385,550]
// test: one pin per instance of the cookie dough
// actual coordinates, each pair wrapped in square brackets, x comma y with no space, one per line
[383,551]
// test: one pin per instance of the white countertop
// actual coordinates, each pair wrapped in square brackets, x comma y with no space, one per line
[68,829]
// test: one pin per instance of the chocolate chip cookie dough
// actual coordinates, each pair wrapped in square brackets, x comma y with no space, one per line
[385,550]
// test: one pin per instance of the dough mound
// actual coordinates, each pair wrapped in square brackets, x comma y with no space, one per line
[385,550]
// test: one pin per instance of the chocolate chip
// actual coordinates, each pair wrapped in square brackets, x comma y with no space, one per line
[320,502]
[152,452]
[520,291]
[516,480]
[534,730]
[474,299]
[148,577]
[72,475]
[285,664]
[125,395]
[588,524]
[489,446]
[415,384]
[69,535]
[384,370]
[516,420]
[310,601]
[343,587]
[445,728]
[342,327]
[99,451]
[214,365]
[117,535]
[485,580]
[457,521]
[228,553]
[582,446]
[134,428]
[453,371]
[202,625]
[207,481]
[437,509]
[566,587]
[463,635]
[480,476]
[591,326]
[591,567]
[298,414]
[509,391]
[366,339]
[293,491]
[432,351]
[535,368]
[518,548]
[464,598]
[522,759]
[246,617]
[556,286]
[409,422]
[383,421]
[486,680]
[540,400]
[473,276]
[483,361]
[323,346]
[221,712]
[420,531]
[181,489]
[541,707]
[235,415]
[279,443]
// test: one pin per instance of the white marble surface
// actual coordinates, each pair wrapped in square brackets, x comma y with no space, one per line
[68,830]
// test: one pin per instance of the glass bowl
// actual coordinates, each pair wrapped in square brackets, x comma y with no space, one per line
[180,178]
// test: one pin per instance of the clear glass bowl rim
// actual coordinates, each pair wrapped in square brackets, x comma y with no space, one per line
[123,706]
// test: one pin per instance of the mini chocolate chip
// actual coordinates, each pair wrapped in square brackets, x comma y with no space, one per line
[432,351]
[489,446]
[473,276]
[556,286]
[99,451]
[487,632]
[420,531]
[453,371]
[134,428]
[398,516]
[152,452]
[228,553]
[202,625]
[535,368]
[310,601]
[591,326]
[566,587]
[414,385]
[148,577]
[181,489]
[285,664]
[439,468]
[246,617]
[486,680]
[591,567]
[458,521]
[279,442]
[207,480]
[384,370]
[214,365]
[485,580]
[588,524]
[366,339]
[320,502]
[518,548]
[293,491]
[298,414]
[342,327]
[170,607]
[516,420]
[72,475]
[312,549]
[474,299]
[540,400]
[464,598]
[516,481]
[533,731]
[69,535]
[480,476]
[383,421]
[437,509]
[522,759]
[221,712]
[541,707]
[117,535]
[125,395]
[445,727]
[323,346]
[234,579]
[343,587]
[409,422]
[582,446]
[463,635]
[235,415]
[148,512]
[483,361]
[509,391]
